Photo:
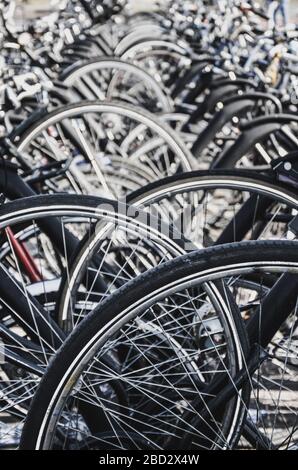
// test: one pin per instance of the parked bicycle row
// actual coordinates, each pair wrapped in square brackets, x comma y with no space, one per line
[148,261]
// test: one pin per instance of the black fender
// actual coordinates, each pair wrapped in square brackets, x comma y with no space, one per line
[251,133]
[233,106]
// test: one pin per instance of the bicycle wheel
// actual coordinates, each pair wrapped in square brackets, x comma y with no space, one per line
[208,208]
[39,235]
[220,206]
[111,78]
[162,58]
[150,326]
[104,148]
